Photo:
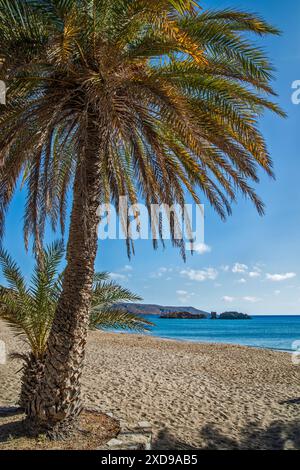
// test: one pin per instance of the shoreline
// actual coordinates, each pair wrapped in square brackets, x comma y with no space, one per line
[277,333]
[163,338]
[194,395]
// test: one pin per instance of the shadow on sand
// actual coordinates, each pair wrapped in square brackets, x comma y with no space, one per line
[14,428]
[291,401]
[278,436]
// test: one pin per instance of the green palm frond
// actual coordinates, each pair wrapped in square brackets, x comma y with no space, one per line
[30,311]
[45,275]
[16,312]
[100,277]
[184,5]
[107,292]
[117,319]
[12,273]
[104,311]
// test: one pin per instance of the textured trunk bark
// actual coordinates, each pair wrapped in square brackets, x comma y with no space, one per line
[58,400]
[31,378]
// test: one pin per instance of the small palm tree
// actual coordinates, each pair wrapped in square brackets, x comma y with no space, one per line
[30,310]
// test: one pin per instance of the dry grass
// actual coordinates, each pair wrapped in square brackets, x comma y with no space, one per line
[93,431]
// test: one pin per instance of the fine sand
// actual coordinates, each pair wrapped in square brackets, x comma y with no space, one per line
[194,395]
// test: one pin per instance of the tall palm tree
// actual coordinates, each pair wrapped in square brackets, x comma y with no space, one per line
[152,100]
[30,310]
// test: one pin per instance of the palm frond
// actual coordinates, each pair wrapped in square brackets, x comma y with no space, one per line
[109,292]
[30,311]
[12,273]
[177,90]
[118,319]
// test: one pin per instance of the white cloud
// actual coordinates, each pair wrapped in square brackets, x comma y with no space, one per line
[276,292]
[200,275]
[239,268]
[184,296]
[181,292]
[127,267]
[280,277]
[118,276]
[254,274]
[251,299]
[202,248]
[228,298]
[160,272]
[242,281]
[225,268]
[258,267]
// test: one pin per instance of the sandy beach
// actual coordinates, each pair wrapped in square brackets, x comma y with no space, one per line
[194,395]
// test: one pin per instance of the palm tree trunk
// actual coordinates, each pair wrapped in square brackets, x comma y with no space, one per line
[31,378]
[58,403]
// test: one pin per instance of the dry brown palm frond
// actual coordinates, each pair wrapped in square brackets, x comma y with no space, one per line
[176,91]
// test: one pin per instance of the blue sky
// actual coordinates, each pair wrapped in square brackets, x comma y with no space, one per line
[254,263]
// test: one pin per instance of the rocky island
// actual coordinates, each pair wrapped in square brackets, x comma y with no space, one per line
[199,316]
[234,316]
[183,315]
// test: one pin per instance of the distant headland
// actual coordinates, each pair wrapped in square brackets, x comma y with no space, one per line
[213,315]
[180,312]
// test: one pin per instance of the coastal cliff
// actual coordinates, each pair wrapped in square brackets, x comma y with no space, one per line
[154,309]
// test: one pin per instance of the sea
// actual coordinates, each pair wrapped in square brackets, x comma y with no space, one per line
[280,332]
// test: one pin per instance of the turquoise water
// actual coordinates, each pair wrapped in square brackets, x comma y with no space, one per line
[272,332]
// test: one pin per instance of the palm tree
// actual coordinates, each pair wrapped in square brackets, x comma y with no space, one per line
[151,100]
[30,310]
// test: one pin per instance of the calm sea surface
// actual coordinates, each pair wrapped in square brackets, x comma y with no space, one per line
[273,332]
